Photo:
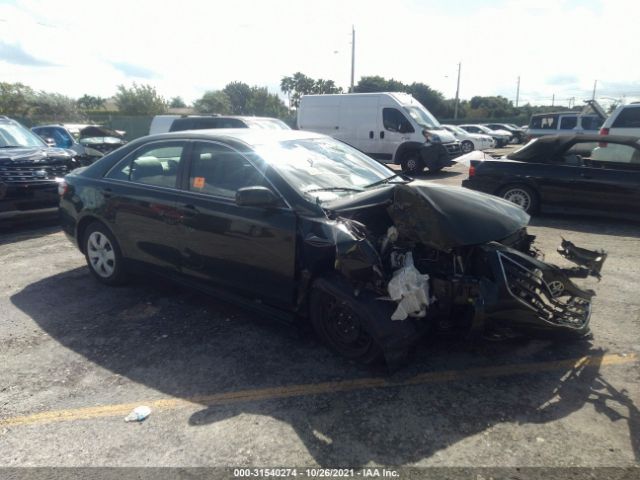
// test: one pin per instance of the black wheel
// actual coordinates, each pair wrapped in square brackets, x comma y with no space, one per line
[412,163]
[522,196]
[336,320]
[467,146]
[103,255]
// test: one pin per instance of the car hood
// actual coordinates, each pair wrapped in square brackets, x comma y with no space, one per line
[445,136]
[440,216]
[33,154]
[501,132]
[99,131]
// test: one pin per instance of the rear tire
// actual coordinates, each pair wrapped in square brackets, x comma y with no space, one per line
[336,320]
[103,255]
[522,196]
[411,163]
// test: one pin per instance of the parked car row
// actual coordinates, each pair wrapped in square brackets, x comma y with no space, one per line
[329,235]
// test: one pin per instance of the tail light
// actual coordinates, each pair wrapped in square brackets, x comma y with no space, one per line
[63,187]
[604,132]
[472,171]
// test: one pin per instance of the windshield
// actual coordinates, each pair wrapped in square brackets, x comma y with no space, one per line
[422,117]
[458,130]
[323,169]
[12,135]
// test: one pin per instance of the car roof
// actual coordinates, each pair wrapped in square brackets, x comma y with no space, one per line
[248,136]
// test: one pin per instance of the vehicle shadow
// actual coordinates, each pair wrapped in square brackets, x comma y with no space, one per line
[17,231]
[188,345]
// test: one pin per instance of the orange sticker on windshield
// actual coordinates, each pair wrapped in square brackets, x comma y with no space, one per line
[198,182]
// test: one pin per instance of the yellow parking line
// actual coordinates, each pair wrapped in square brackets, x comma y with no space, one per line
[319,388]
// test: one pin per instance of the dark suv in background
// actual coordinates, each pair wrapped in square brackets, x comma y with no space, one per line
[30,171]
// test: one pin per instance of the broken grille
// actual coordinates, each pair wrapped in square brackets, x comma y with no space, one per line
[529,288]
[31,174]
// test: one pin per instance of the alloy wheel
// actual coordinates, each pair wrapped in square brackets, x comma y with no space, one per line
[519,196]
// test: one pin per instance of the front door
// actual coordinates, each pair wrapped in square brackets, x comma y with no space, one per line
[394,129]
[248,250]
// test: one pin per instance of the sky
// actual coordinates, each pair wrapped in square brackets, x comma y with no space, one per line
[556,47]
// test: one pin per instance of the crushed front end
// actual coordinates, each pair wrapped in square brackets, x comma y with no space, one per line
[460,262]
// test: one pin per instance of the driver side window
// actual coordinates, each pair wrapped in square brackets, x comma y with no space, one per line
[220,171]
[394,121]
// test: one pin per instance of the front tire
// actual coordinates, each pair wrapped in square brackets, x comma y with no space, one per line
[412,163]
[522,196]
[467,146]
[337,321]
[103,255]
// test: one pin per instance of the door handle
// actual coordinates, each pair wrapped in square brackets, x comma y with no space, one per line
[371,134]
[381,134]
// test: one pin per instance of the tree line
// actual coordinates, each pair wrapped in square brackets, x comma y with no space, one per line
[239,98]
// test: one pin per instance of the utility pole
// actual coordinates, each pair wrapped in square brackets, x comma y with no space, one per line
[455,111]
[553,99]
[518,92]
[353,56]
[593,96]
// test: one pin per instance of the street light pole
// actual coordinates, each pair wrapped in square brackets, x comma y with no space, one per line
[518,92]
[593,96]
[353,56]
[455,111]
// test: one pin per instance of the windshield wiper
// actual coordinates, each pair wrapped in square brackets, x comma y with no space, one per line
[12,146]
[387,180]
[334,189]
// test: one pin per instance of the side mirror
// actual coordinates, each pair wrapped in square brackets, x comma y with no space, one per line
[256,197]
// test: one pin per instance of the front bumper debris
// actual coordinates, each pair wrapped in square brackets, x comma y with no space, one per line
[592,261]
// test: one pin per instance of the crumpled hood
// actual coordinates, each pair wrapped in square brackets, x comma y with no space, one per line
[33,154]
[99,131]
[445,217]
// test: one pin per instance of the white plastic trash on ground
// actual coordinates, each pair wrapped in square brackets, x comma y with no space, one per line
[138,414]
[410,289]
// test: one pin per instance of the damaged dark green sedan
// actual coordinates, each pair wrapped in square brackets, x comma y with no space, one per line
[305,228]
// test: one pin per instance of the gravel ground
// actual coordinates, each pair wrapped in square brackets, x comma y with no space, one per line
[228,388]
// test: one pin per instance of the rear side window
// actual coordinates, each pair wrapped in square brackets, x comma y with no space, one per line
[221,171]
[544,122]
[628,118]
[394,121]
[568,123]
[152,165]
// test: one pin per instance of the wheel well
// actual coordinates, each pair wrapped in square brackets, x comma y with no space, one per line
[504,186]
[82,227]
[404,149]
[531,187]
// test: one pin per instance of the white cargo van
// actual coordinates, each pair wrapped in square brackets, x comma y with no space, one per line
[388,126]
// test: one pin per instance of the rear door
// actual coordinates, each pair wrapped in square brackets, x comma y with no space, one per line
[141,203]
[248,250]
